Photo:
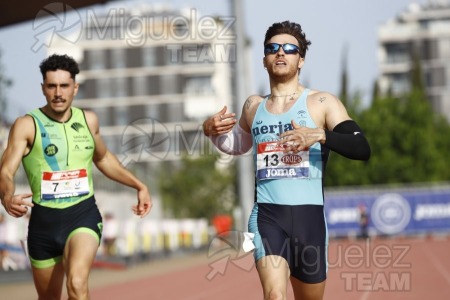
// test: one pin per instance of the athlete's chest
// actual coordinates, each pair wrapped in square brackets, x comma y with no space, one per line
[62,139]
[278,108]
[267,126]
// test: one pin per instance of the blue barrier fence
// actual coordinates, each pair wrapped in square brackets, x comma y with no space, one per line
[390,211]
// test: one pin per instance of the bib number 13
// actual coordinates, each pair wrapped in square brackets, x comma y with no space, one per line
[271,160]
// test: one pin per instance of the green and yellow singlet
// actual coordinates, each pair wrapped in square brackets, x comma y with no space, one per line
[59,165]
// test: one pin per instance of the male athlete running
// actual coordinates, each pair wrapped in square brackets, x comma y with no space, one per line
[57,144]
[291,131]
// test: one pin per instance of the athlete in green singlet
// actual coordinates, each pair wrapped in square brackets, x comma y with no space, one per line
[57,145]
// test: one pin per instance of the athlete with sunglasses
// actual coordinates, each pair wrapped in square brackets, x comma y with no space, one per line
[291,131]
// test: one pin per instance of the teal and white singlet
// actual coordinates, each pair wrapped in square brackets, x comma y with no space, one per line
[288,218]
[280,176]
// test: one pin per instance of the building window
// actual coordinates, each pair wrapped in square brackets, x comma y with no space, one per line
[113,144]
[118,58]
[96,59]
[444,48]
[119,85]
[153,86]
[149,57]
[102,114]
[139,86]
[436,77]
[120,115]
[152,111]
[430,50]
[436,103]
[400,83]
[397,53]
[134,59]
[198,85]
[169,84]
[104,89]
[176,112]
[81,91]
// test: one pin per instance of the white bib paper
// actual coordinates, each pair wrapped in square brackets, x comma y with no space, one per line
[273,163]
[63,184]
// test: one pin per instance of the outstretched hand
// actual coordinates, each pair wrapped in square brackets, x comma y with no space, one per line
[16,206]
[219,123]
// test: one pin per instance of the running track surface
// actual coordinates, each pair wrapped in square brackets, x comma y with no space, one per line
[384,269]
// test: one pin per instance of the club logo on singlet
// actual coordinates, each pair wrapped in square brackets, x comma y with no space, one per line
[302,114]
[76,126]
[51,150]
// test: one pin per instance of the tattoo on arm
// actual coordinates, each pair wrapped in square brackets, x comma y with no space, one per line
[248,103]
[321,99]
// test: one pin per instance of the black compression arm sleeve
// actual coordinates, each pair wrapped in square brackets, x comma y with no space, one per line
[348,140]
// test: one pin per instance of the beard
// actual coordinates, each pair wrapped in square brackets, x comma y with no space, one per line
[283,76]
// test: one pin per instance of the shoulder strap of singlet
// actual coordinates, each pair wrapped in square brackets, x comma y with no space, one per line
[303,97]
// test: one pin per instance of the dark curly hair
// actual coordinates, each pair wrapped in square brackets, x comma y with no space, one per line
[59,62]
[291,28]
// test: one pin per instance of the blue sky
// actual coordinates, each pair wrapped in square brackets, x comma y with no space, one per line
[331,26]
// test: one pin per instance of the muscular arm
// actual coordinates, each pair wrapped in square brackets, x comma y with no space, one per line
[226,135]
[110,166]
[20,135]
[342,134]
[336,130]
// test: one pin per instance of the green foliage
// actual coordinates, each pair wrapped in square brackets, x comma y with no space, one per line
[197,188]
[341,171]
[409,143]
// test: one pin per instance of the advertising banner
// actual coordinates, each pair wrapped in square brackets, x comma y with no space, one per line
[388,212]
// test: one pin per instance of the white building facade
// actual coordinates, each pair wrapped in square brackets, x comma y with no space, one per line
[422,32]
[153,74]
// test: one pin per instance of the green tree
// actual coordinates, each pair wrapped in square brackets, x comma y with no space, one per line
[341,171]
[198,188]
[416,149]
[384,129]
[409,141]
[343,94]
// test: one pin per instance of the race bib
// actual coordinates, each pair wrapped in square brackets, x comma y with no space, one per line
[273,163]
[64,184]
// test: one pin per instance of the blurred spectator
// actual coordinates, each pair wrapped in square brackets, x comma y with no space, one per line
[363,221]
[6,262]
[110,234]
[3,250]
[222,223]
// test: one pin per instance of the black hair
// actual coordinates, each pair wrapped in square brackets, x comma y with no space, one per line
[291,28]
[59,62]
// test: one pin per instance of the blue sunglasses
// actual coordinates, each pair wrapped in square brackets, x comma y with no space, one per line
[273,48]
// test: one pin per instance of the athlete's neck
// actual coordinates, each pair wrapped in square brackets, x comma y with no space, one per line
[287,92]
[59,116]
